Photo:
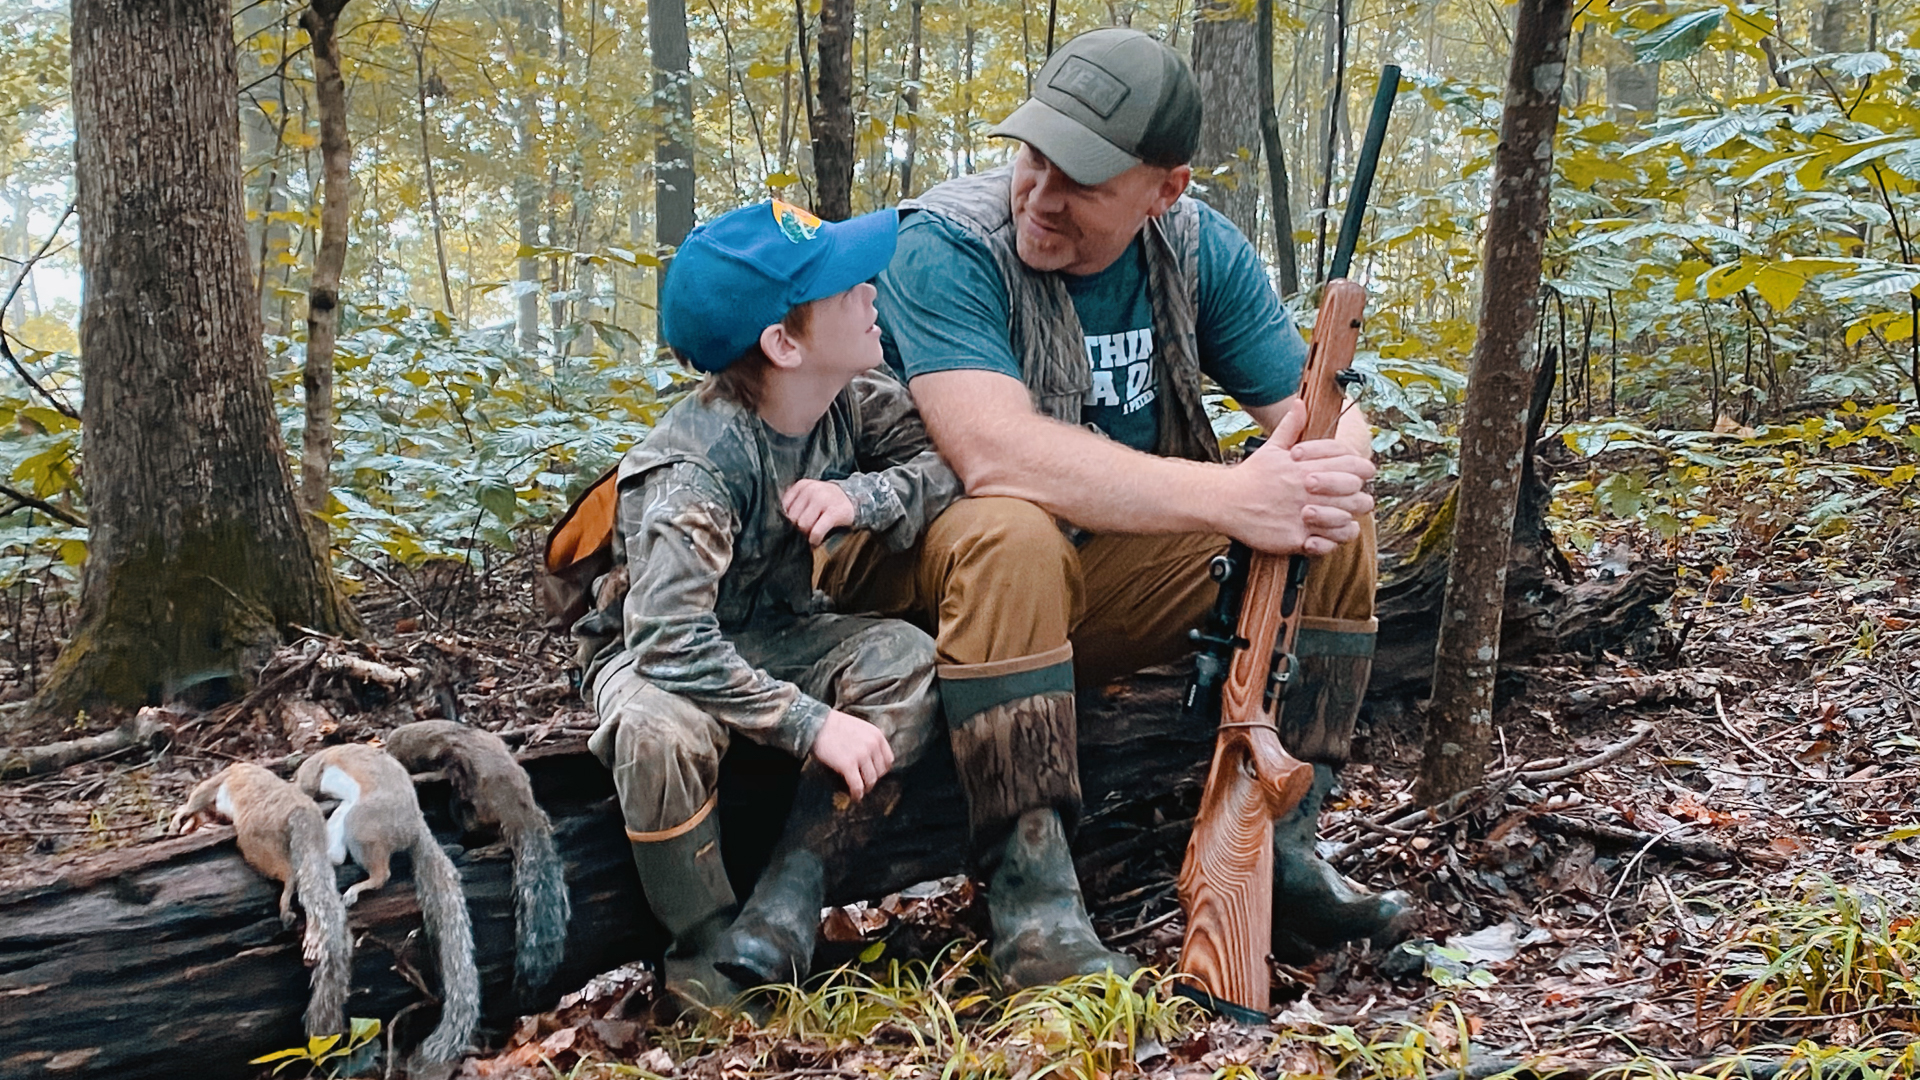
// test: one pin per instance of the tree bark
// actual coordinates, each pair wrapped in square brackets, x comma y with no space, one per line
[323,297]
[833,127]
[1335,79]
[1226,65]
[1286,254]
[197,554]
[1633,92]
[913,105]
[419,46]
[673,104]
[1493,430]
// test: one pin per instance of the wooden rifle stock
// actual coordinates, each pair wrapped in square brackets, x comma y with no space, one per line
[1226,882]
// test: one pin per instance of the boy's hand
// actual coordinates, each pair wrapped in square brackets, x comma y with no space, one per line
[817,508]
[855,749]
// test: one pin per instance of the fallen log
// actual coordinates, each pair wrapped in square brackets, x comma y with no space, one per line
[145,729]
[169,959]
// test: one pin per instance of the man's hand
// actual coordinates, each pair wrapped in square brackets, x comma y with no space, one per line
[817,507]
[1292,496]
[855,749]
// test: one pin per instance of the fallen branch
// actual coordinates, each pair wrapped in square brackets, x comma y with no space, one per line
[144,729]
[1605,757]
[1689,685]
[1704,851]
[369,671]
[1403,823]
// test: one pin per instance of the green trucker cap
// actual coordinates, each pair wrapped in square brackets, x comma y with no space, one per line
[1107,101]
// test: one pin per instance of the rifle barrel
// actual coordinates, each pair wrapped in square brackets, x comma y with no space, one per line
[1363,174]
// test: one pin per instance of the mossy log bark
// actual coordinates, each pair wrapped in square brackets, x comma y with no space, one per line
[196,554]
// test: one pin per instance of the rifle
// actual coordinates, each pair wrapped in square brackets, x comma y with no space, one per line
[1245,664]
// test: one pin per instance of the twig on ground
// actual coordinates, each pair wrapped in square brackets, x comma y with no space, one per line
[1760,755]
[1145,928]
[388,578]
[1626,872]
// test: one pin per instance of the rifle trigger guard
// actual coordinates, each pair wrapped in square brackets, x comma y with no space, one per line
[1279,678]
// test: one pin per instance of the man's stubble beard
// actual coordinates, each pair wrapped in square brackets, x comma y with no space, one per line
[1042,259]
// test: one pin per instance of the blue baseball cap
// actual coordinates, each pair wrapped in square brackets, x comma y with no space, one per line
[743,271]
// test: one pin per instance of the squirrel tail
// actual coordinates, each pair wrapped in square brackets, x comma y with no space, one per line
[444,907]
[327,943]
[541,908]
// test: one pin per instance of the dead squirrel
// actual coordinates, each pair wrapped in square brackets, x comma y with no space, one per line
[377,816]
[283,836]
[493,792]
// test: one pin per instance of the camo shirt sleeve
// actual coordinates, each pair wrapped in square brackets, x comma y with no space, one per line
[905,484]
[678,527]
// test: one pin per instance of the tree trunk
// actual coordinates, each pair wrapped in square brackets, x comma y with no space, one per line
[1335,79]
[833,127]
[913,105]
[264,134]
[1227,159]
[323,297]
[1499,392]
[1839,26]
[673,103]
[1633,91]
[426,166]
[197,554]
[1279,191]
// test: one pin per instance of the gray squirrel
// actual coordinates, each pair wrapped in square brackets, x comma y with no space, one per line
[379,815]
[282,835]
[492,792]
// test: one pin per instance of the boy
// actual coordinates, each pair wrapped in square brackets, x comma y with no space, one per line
[792,436]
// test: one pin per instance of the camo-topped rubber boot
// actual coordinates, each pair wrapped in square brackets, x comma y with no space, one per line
[686,887]
[772,941]
[1316,908]
[1012,727]
[1041,933]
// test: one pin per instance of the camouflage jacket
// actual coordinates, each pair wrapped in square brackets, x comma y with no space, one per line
[705,550]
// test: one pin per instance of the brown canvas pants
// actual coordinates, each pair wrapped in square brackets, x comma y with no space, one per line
[1004,591]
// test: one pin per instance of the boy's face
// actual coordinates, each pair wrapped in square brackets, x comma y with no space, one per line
[842,334]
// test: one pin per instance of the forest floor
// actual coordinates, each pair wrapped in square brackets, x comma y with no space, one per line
[1705,847]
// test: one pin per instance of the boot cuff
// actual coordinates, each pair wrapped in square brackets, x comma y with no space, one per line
[1016,756]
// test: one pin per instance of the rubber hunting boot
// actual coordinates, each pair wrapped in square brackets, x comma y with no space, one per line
[686,887]
[1041,933]
[1316,908]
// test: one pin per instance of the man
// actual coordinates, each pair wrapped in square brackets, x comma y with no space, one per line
[1053,320]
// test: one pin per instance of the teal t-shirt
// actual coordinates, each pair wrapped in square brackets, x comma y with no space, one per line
[943,307]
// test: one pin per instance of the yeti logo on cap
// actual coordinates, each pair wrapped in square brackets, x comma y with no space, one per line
[1091,85]
[797,225]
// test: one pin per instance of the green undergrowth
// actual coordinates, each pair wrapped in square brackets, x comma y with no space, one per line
[1831,956]
[944,1020]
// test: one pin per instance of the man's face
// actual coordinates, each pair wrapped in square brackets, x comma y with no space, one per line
[1081,228]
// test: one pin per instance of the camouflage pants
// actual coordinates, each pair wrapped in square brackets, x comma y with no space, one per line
[665,751]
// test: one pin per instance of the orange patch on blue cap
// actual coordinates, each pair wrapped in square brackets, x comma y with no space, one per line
[796,224]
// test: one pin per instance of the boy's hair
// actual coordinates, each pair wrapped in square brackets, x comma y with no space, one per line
[744,381]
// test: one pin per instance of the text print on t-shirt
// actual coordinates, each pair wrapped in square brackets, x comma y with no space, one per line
[1122,369]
